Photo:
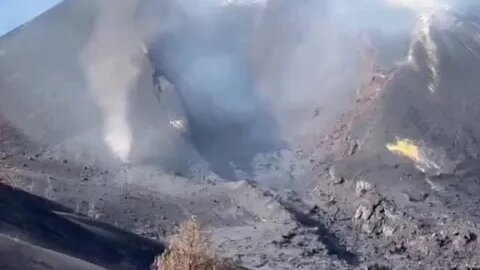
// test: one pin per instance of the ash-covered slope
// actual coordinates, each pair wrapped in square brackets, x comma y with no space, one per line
[434,96]
[69,80]
[414,130]
[42,73]
[404,157]
[40,231]
[78,81]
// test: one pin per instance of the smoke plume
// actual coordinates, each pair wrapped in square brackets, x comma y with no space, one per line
[112,62]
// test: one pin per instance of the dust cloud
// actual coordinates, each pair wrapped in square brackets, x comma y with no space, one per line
[112,62]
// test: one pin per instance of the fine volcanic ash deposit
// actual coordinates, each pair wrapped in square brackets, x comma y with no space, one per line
[336,134]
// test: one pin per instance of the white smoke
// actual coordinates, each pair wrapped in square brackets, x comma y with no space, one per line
[429,6]
[111,62]
[417,5]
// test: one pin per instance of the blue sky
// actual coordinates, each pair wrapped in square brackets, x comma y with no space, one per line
[16,12]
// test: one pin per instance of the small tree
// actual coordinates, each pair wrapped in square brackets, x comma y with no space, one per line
[189,249]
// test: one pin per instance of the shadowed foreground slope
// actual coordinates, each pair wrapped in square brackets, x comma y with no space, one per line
[34,227]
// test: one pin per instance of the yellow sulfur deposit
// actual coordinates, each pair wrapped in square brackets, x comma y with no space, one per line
[406,148]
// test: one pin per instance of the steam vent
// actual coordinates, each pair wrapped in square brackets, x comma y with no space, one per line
[336,134]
